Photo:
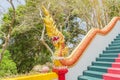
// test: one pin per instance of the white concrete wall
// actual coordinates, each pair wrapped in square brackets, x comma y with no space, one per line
[96,47]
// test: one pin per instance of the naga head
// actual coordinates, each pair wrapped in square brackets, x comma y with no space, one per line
[55,35]
[51,29]
[55,39]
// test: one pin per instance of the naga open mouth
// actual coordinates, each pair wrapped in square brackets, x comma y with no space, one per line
[55,39]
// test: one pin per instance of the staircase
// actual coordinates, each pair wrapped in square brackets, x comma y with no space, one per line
[107,66]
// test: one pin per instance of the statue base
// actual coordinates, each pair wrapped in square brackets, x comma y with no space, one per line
[61,71]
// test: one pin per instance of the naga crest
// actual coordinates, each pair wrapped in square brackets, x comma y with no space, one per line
[56,36]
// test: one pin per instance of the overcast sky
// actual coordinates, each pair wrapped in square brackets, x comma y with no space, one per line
[4,5]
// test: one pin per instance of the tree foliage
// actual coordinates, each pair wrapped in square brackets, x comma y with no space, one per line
[26,44]
[7,66]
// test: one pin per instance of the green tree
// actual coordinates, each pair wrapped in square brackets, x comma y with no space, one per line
[7,66]
[26,45]
[30,45]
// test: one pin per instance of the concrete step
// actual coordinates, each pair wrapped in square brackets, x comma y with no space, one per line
[117,59]
[109,76]
[104,64]
[113,48]
[109,55]
[111,51]
[107,65]
[94,74]
[115,42]
[98,68]
[112,45]
[114,70]
[105,59]
[87,78]
[116,65]
[118,38]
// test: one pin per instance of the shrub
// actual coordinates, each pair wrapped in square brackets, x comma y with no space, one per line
[7,66]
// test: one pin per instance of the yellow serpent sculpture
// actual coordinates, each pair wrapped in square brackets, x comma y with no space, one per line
[56,36]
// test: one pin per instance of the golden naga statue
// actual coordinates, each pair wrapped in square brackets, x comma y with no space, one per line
[56,36]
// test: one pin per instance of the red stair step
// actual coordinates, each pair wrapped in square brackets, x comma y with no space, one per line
[109,76]
[114,70]
[118,55]
[116,65]
[117,59]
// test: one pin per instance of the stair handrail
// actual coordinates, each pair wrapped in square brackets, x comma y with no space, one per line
[79,50]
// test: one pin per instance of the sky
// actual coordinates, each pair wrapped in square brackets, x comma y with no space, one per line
[4,5]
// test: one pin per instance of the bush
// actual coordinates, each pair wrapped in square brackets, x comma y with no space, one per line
[7,66]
